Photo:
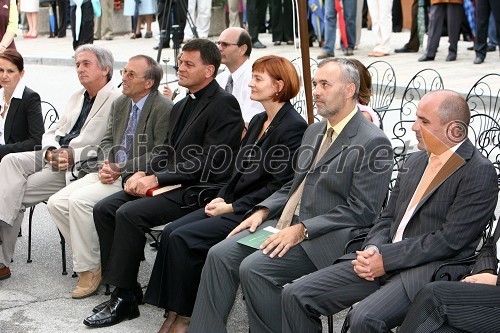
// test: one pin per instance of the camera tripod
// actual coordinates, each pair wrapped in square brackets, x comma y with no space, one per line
[177,29]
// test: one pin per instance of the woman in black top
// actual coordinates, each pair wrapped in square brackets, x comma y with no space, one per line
[263,165]
[21,121]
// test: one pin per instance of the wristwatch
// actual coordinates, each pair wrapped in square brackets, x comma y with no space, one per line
[306,233]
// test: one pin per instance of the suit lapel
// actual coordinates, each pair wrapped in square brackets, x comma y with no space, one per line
[121,124]
[11,114]
[145,112]
[200,106]
[100,99]
[409,188]
[342,141]
[174,119]
[317,138]
[452,165]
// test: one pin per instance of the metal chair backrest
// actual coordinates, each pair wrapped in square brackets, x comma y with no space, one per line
[383,86]
[50,114]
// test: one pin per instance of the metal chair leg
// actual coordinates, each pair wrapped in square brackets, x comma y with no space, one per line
[30,220]
[345,325]
[63,253]
[330,324]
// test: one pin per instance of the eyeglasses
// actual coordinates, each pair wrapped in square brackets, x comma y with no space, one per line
[224,44]
[130,75]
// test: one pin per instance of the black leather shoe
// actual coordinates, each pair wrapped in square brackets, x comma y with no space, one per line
[470,48]
[491,48]
[348,52]
[451,57]
[258,45]
[137,293]
[117,310]
[478,60]
[425,58]
[405,49]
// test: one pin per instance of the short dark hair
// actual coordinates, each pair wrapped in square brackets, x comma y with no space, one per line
[279,68]
[154,71]
[245,39]
[209,53]
[14,57]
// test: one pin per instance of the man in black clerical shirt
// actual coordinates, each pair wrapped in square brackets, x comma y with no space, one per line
[204,133]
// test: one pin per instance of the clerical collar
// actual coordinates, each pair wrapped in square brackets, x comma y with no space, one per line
[200,92]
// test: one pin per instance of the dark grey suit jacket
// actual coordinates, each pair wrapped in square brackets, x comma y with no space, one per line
[151,131]
[447,222]
[344,193]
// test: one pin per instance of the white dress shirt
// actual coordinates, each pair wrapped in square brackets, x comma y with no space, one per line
[241,90]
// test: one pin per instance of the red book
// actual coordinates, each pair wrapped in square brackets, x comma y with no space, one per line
[161,189]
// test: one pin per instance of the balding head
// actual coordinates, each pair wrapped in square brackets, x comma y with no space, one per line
[235,46]
[452,106]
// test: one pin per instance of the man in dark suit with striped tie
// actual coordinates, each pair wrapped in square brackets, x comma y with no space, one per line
[437,211]
[460,307]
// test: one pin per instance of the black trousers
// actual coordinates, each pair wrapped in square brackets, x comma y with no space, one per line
[121,220]
[483,10]
[63,18]
[454,307]
[183,249]
[178,15]
[282,20]
[86,35]
[256,13]
[454,14]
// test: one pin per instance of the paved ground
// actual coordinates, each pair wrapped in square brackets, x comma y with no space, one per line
[37,297]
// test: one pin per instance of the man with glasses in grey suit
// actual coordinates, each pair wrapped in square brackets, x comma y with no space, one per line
[436,212]
[343,168]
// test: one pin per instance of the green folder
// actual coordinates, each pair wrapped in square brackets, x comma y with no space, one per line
[257,238]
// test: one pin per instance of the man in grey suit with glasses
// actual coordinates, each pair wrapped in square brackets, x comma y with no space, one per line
[436,212]
[342,173]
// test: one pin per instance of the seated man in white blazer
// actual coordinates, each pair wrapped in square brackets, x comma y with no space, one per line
[32,177]
[138,122]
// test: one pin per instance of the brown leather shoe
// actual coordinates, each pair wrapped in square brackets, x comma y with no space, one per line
[4,273]
[88,282]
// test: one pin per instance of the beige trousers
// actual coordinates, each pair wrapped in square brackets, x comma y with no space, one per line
[26,180]
[71,208]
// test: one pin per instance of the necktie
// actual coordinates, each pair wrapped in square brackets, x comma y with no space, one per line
[229,84]
[128,137]
[429,174]
[292,203]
